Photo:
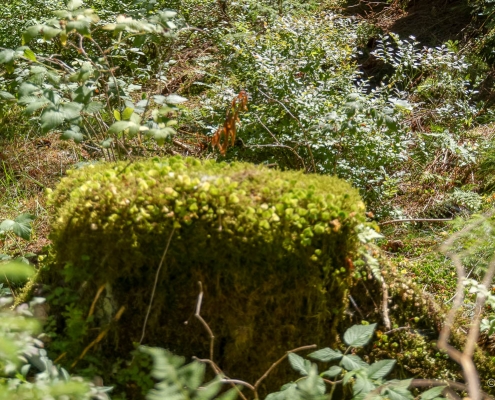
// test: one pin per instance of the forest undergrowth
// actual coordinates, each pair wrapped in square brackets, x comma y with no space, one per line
[396,98]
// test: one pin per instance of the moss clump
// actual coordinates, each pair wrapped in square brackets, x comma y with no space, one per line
[270,247]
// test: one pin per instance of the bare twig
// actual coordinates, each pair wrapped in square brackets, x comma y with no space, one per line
[398,221]
[465,358]
[154,285]
[272,367]
[386,319]
[197,314]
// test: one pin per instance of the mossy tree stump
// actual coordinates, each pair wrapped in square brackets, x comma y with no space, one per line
[271,248]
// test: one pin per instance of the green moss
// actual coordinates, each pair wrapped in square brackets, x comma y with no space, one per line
[270,248]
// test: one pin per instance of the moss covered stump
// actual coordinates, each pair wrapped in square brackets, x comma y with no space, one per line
[273,250]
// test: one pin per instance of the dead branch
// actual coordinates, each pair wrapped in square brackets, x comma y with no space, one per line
[465,358]
[197,314]
[155,284]
[398,221]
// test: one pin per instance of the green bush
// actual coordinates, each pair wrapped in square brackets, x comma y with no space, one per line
[273,250]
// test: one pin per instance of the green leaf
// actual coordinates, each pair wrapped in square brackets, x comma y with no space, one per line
[49,32]
[80,26]
[192,374]
[107,143]
[380,368]
[51,119]
[433,393]
[74,133]
[6,56]
[116,115]
[359,335]
[299,364]
[127,113]
[6,95]
[30,33]
[82,94]
[332,372]
[21,226]
[74,4]
[326,355]
[160,135]
[119,126]
[35,106]
[82,74]
[363,385]
[93,107]
[352,362]
[175,99]
[398,393]
[71,110]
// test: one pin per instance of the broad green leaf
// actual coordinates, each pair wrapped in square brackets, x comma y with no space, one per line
[107,143]
[332,372]
[30,55]
[80,26]
[6,95]
[82,74]
[363,385]
[192,374]
[27,89]
[50,32]
[175,99]
[119,126]
[16,270]
[73,134]
[35,106]
[359,335]
[326,355]
[6,56]
[71,110]
[160,135]
[93,107]
[126,114]
[82,94]
[116,115]
[352,362]
[299,364]
[433,393]
[30,33]
[380,368]
[50,119]
[398,393]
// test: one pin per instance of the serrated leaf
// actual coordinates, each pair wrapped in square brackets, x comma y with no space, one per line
[6,95]
[75,135]
[80,26]
[299,364]
[359,335]
[160,135]
[50,32]
[432,393]
[27,89]
[352,362]
[362,385]
[82,74]
[21,226]
[398,393]
[332,372]
[192,374]
[119,126]
[33,107]
[30,33]
[326,355]
[82,94]
[380,368]
[93,107]
[71,110]
[175,99]
[50,119]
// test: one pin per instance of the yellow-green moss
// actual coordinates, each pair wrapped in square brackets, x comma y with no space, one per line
[270,248]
